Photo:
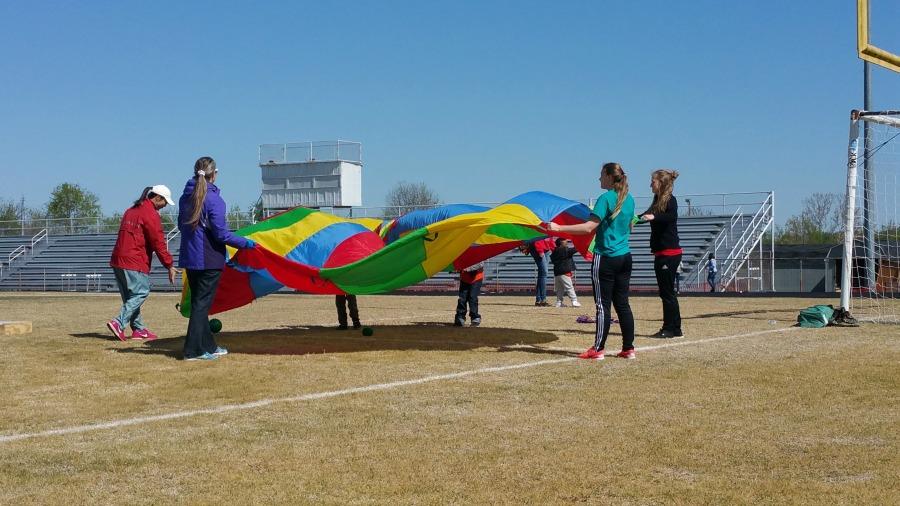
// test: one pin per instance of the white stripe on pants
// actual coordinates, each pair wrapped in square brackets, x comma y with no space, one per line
[595,283]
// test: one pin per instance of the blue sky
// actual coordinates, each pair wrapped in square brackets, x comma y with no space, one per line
[480,100]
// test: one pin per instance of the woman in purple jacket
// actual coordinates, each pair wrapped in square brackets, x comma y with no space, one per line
[204,234]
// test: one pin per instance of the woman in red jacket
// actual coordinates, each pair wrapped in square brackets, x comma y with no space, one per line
[140,234]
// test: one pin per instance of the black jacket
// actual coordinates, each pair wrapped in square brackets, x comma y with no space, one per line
[562,260]
[664,227]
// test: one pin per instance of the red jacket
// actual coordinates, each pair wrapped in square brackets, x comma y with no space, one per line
[544,245]
[140,234]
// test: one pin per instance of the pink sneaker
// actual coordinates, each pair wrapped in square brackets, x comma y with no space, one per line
[592,354]
[629,354]
[143,334]
[116,329]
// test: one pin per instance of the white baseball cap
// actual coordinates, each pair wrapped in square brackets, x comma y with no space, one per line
[164,192]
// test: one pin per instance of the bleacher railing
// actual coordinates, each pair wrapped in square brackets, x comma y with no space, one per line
[38,237]
[97,224]
[741,251]
[310,151]
[16,253]
[721,242]
[22,250]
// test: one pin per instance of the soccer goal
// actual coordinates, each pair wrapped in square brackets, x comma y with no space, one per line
[870,280]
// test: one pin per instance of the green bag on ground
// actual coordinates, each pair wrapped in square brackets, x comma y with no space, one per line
[815,317]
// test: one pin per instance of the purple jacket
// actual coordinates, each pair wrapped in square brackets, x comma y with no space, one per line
[204,247]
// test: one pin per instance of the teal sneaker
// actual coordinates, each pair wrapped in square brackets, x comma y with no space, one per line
[205,356]
[220,351]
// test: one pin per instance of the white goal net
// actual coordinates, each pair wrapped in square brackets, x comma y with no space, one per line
[870,281]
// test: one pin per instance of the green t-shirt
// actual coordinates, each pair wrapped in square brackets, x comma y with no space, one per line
[612,234]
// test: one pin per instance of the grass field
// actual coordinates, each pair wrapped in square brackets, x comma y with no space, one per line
[745,409]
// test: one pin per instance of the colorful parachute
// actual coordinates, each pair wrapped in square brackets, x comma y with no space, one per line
[316,252]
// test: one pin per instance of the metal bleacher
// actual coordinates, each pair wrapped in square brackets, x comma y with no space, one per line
[76,263]
[7,246]
[81,262]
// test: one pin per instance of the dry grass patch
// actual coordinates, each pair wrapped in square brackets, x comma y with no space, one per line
[796,416]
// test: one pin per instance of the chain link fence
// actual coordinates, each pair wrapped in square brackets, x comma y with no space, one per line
[97,224]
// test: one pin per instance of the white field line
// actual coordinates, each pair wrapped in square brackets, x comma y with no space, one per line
[226,408]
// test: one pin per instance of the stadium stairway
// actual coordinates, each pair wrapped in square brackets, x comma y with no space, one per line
[7,246]
[16,250]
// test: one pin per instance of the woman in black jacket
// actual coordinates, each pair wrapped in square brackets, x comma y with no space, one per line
[663,218]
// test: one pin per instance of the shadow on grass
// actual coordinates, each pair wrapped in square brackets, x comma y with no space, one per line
[539,350]
[488,302]
[732,314]
[306,340]
[98,335]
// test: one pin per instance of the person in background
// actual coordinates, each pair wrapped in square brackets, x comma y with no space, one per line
[564,272]
[711,270]
[342,301]
[470,280]
[204,235]
[612,219]
[664,243]
[539,249]
[140,235]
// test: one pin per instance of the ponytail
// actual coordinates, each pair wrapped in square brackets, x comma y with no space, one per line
[619,184]
[666,180]
[144,195]
[204,169]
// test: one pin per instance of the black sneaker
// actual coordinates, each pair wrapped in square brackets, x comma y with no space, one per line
[357,325]
[476,323]
[457,323]
[663,334]
[678,333]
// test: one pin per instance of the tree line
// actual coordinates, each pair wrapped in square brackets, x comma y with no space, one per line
[74,209]
[821,221]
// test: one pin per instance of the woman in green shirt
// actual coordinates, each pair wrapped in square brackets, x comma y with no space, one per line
[611,219]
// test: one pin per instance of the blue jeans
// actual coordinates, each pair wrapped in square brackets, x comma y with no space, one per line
[468,296]
[711,279]
[134,287]
[541,288]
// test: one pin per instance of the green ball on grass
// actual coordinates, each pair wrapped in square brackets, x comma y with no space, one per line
[368,331]
[215,325]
